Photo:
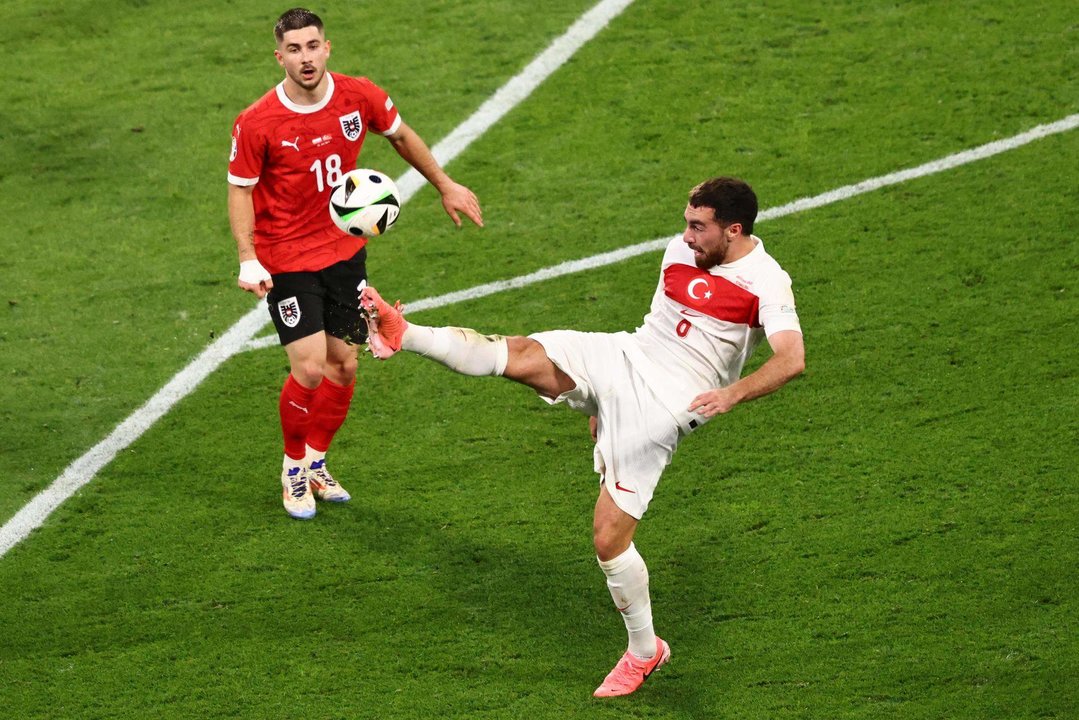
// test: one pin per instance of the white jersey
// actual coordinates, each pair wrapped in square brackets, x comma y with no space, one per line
[704,324]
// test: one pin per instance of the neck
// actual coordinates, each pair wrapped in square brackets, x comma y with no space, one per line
[301,95]
[740,247]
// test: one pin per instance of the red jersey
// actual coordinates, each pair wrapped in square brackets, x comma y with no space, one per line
[293,155]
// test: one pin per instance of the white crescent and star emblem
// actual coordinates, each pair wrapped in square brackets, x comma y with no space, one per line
[693,283]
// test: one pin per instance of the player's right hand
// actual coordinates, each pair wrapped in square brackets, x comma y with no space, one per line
[459,198]
[254,278]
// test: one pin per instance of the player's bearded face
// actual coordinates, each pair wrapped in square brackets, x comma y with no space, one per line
[303,53]
[705,237]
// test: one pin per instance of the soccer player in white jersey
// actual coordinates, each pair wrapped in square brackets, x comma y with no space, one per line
[719,294]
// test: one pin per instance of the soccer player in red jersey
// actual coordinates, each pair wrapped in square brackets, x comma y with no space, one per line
[719,295]
[288,150]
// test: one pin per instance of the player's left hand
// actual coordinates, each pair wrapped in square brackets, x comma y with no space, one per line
[458,198]
[713,402]
[593,425]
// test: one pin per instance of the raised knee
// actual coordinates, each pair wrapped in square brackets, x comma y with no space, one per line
[520,346]
[529,364]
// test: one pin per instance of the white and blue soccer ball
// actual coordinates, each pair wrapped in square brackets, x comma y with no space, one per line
[365,202]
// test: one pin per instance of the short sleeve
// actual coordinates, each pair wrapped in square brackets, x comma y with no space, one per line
[382,114]
[777,310]
[246,155]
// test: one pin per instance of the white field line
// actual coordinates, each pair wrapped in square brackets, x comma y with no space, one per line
[81,471]
[832,196]
[517,89]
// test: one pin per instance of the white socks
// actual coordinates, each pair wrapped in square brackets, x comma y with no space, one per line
[627,579]
[460,349]
[313,456]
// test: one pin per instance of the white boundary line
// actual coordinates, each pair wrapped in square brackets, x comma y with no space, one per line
[519,87]
[515,91]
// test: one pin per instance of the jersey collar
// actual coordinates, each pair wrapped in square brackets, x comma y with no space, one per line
[306,109]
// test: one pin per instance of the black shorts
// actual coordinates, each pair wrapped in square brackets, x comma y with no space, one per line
[304,303]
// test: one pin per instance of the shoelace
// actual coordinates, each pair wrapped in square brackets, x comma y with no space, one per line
[299,486]
[325,479]
[319,469]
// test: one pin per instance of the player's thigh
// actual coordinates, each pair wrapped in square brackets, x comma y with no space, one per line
[341,360]
[529,364]
[635,440]
[341,282]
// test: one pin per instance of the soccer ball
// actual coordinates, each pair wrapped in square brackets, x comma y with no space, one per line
[366,203]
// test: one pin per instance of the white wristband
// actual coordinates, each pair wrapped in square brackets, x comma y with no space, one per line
[251,271]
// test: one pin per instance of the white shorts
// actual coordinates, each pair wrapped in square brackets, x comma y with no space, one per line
[636,435]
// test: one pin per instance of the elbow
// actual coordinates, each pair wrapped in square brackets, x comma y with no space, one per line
[795,368]
[789,353]
[796,364]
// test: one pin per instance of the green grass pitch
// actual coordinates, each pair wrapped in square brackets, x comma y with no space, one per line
[893,535]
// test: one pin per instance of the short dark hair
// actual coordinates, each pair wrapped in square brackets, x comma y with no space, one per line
[732,200]
[295,19]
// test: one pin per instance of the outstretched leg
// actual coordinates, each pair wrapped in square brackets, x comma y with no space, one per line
[462,350]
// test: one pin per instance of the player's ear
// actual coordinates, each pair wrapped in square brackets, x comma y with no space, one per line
[327,47]
[280,58]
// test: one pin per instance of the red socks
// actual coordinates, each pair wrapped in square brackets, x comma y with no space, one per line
[295,408]
[328,414]
[312,416]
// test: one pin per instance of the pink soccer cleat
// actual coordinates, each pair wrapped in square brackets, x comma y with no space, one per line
[385,323]
[631,672]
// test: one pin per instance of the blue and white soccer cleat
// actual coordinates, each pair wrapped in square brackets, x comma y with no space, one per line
[296,493]
[323,484]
